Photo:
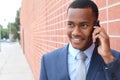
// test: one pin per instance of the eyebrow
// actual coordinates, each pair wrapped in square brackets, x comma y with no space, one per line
[70,21]
[79,22]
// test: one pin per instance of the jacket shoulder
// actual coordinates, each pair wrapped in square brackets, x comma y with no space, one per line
[116,54]
[53,54]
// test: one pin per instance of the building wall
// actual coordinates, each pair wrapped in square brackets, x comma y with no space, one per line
[43,26]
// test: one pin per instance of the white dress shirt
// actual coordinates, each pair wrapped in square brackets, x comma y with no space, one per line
[72,61]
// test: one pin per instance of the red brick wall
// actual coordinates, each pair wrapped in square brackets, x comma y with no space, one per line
[43,26]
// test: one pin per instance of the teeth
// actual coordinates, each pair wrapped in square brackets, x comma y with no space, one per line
[76,39]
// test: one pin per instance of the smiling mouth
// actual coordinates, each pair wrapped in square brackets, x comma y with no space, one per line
[77,40]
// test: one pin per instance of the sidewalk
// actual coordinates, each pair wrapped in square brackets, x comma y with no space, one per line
[13,64]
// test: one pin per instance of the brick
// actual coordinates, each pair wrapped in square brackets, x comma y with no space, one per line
[114,43]
[113,12]
[102,15]
[100,3]
[104,26]
[113,1]
[114,28]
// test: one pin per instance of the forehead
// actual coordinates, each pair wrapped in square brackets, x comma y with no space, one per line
[80,13]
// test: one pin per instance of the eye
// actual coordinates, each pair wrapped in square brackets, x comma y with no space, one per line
[84,25]
[70,24]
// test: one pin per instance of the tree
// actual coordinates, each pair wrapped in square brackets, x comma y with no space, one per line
[17,23]
[12,30]
[17,20]
[4,33]
[0,31]
[14,27]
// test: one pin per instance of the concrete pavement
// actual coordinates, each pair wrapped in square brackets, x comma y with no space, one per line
[13,64]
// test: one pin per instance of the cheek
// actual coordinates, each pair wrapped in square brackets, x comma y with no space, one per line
[88,34]
[69,32]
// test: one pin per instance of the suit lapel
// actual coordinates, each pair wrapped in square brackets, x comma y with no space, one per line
[62,64]
[95,64]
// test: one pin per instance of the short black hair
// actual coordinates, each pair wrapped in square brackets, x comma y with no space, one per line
[85,4]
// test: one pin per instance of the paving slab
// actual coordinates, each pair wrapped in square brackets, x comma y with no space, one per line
[13,63]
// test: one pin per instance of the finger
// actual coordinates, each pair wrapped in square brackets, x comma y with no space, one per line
[97,29]
[103,33]
[95,36]
[95,32]
[103,38]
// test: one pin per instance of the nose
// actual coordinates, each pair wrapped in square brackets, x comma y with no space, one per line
[76,31]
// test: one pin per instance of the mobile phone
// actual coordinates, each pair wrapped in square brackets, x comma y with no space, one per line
[96,23]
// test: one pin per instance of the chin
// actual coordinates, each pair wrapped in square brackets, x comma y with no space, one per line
[78,46]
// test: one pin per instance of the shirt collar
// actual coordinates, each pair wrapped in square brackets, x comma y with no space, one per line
[73,51]
[88,51]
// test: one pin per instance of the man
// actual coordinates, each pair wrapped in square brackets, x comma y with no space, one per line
[101,62]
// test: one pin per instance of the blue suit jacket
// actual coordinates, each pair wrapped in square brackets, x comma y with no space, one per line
[54,66]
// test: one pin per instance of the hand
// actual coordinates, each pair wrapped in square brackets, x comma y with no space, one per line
[103,44]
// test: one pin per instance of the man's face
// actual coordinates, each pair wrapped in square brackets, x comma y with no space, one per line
[80,27]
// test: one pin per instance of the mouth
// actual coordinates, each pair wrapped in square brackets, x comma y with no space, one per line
[77,40]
